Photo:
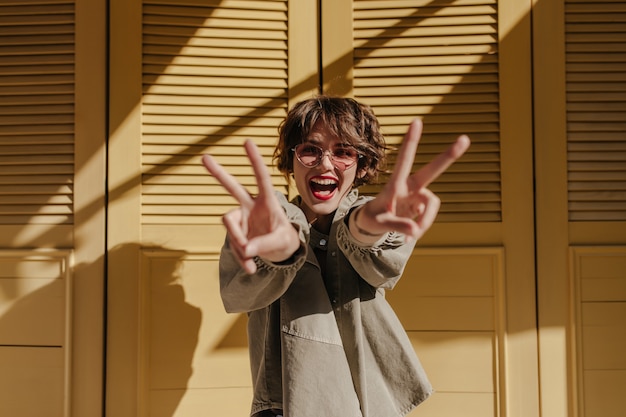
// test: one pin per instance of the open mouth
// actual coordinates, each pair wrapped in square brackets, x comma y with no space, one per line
[323,188]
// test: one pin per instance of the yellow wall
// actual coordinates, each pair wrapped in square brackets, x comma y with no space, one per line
[52,207]
[514,300]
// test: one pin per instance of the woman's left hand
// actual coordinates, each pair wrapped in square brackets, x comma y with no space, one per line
[405,204]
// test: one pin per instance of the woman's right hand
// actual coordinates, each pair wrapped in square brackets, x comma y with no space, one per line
[259,227]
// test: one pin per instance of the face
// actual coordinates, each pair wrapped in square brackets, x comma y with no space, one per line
[322,187]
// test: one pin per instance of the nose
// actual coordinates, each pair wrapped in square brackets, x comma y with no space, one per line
[327,162]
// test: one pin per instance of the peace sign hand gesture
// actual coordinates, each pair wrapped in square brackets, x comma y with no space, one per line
[405,204]
[259,227]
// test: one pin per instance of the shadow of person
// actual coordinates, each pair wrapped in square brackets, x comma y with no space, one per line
[36,320]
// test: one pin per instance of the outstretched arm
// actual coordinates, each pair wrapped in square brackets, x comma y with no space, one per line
[259,227]
[405,204]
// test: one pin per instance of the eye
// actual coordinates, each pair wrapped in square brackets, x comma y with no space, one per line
[308,150]
[345,152]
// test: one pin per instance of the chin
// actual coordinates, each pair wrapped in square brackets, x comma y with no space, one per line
[325,207]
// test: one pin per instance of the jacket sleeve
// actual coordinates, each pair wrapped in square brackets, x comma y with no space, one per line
[381,264]
[243,292]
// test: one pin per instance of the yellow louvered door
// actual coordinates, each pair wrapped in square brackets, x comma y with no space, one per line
[467,298]
[500,332]
[580,97]
[188,78]
[52,190]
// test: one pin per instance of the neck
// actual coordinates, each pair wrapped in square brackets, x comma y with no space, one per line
[322,223]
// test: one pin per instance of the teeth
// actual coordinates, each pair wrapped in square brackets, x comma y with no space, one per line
[325,181]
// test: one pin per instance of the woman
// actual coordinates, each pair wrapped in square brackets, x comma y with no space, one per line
[311,273]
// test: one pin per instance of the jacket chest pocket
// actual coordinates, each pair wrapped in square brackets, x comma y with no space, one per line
[306,311]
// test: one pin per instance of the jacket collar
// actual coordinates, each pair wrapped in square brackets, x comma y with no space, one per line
[344,205]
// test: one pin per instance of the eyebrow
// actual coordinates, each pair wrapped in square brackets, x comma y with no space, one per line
[312,140]
[318,142]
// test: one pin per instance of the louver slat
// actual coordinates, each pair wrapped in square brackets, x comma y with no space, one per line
[596,110]
[36,113]
[438,62]
[213,77]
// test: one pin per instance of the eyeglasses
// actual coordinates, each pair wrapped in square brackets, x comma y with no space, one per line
[343,157]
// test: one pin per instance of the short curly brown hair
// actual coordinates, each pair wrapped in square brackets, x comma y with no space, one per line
[346,118]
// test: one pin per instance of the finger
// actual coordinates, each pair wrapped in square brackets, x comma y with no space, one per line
[235,249]
[264,180]
[235,226]
[406,155]
[403,225]
[247,264]
[431,209]
[264,245]
[229,182]
[440,164]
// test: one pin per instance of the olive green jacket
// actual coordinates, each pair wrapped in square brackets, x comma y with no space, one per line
[327,346]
